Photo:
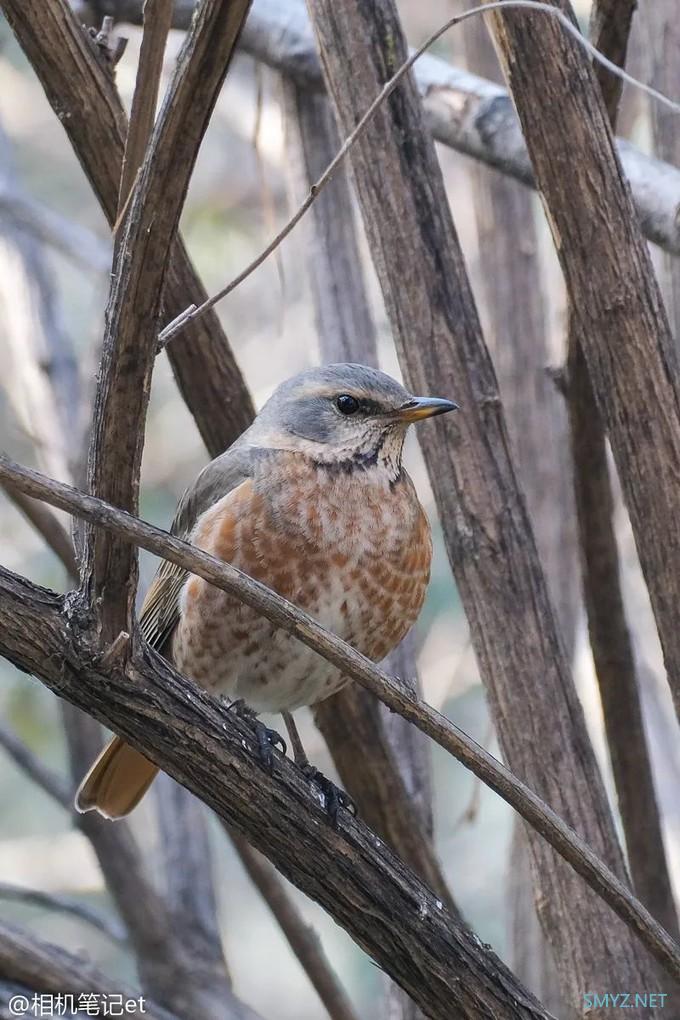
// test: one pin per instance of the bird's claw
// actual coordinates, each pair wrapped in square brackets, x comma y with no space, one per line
[334,797]
[267,739]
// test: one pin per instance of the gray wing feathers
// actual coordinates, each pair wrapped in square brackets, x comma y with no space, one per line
[160,611]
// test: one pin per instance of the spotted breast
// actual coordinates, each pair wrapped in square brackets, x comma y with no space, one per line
[351,548]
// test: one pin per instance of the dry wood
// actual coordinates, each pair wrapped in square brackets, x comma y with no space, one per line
[352,722]
[508,275]
[39,966]
[614,295]
[76,84]
[363,886]
[610,638]
[390,690]
[484,518]
[463,110]
[109,573]
[156,17]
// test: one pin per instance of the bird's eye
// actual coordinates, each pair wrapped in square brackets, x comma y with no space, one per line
[347,404]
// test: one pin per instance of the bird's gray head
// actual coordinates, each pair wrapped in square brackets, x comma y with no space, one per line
[348,416]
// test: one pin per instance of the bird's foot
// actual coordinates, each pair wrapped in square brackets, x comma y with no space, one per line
[267,739]
[334,797]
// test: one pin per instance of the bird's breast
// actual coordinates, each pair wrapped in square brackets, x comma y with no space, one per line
[355,554]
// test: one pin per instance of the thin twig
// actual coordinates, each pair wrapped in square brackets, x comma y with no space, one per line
[389,690]
[65,905]
[302,939]
[188,315]
[46,778]
[49,526]
[157,17]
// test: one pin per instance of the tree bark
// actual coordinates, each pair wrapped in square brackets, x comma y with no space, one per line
[613,292]
[489,539]
[199,743]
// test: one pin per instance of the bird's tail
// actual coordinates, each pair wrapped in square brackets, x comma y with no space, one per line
[116,782]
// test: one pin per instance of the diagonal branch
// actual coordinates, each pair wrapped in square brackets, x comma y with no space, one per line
[64,905]
[464,111]
[76,83]
[196,740]
[40,966]
[487,531]
[22,648]
[610,638]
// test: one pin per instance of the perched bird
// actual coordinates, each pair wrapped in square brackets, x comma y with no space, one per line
[313,501]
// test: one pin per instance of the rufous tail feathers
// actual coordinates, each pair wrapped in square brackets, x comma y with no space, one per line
[116,782]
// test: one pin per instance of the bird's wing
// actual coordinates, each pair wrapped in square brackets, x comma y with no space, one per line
[160,611]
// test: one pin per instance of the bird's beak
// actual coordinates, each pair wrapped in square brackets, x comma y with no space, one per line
[424,407]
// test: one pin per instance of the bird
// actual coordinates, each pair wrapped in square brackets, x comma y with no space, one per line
[313,501]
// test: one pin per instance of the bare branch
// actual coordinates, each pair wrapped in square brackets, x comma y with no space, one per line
[389,690]
[302,938]
[75,81]
[65,905]
[43,967]
[463,110]
[482,509]
[156,18]
[610,638]
[77,243]
[352,722]
[205,747]
[49,526]
[48,780]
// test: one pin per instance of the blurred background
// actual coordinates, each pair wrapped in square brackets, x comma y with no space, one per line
[56,279]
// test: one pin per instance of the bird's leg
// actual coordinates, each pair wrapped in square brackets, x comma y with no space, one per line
[301,759]
[267,739]
[334,797]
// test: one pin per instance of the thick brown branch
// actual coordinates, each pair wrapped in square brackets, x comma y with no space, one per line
[482,509]
[389,690]
[613,293]
[206,748]
[84,97]
[352,722]
[610,639]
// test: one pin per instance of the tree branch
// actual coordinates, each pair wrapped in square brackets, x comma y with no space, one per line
[610,638]
[43,967]
[214,754]
[23,649]
[463,111]
[352,722]
[48,780]
[483,513]
[76,84]
[635,380]
[64,905]
[156,19]
[110,570]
